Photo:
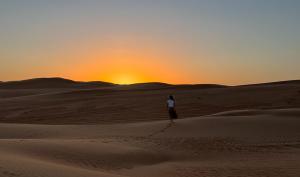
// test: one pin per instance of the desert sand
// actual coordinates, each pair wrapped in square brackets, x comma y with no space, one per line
[123,131]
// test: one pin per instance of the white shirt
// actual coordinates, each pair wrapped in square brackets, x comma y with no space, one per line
[171,103]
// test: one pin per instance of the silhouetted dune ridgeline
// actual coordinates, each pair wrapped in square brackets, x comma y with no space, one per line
[46,83]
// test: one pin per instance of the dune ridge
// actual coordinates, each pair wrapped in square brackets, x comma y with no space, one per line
[55,82]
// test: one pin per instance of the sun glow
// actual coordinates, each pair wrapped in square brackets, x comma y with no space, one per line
[127,62]
[125,79]
[125,76]
[128,70]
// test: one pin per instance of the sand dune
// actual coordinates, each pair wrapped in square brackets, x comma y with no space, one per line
[262,143]
[123,131]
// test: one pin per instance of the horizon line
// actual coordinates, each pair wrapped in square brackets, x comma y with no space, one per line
[64,78]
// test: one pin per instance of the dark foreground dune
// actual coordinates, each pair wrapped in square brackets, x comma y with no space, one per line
[122,131]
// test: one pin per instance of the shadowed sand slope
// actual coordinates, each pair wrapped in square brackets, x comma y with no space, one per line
[131,104]
[259,143]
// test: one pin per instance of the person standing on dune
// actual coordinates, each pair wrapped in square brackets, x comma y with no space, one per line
[171,108]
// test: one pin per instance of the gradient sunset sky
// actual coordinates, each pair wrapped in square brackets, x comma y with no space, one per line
[128,41]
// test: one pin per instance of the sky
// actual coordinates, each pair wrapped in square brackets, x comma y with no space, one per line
[129,41]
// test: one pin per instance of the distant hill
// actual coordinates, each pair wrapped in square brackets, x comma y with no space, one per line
[201,86]
[289,82]
[160,85]
[56,82]
[147,85]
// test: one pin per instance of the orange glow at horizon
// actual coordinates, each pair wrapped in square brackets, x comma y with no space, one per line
[129,70]
[127,64]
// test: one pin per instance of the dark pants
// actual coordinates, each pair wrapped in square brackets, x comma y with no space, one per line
[172,113]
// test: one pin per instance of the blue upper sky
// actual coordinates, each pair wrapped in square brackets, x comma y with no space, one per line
[190,41]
